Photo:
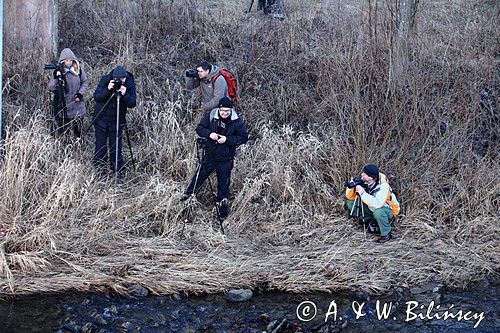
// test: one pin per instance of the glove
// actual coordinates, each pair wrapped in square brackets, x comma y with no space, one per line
[55,73]
[79,96]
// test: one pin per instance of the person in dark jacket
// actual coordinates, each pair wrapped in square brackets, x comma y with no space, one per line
[105,112]
[72,76]
[224,131]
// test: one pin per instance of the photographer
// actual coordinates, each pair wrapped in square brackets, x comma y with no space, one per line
[211,92]
[377,200]
[117,82]
[69,84]
[223,131]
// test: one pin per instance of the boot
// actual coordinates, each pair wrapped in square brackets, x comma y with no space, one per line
[223,208]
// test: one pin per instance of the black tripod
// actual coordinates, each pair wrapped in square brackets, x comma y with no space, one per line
[201,143]
[118,96]
[59,103]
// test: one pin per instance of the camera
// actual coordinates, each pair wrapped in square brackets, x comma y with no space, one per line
[201,141]
[117,84]
[51,66]
[355,182]
[193,72]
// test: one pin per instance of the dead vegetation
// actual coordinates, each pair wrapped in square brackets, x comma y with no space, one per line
[322,92]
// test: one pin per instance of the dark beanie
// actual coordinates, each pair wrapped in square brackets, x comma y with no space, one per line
[119,72]
[371,170]
[225,102]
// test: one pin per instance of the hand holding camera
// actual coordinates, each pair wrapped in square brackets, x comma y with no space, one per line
[117,85]
[57,74]
[214,136]
[222,139]
[193,72]
[78,97]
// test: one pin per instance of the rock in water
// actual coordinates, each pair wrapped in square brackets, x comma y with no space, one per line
[239,295]
[138,290]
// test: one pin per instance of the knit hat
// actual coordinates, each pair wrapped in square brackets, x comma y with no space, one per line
[371,170]
[119,72]
[225,102]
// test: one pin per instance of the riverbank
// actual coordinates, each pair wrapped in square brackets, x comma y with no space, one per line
[266,311]
[322,92]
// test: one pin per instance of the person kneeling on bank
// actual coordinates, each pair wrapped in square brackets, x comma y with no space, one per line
[370,197]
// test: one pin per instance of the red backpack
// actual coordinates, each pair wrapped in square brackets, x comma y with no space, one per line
[232,84]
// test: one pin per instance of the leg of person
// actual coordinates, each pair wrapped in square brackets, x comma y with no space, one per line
[367,212]
[203,171]
[77,127]
[101,148]
[66,125]
[223,170]
[383,217]
[59,126]
[112,148]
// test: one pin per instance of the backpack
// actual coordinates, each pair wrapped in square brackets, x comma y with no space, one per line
[232,84]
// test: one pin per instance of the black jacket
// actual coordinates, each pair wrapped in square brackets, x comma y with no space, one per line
[235,132]
[102,95]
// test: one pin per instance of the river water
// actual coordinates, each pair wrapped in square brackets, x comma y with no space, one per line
[83,312]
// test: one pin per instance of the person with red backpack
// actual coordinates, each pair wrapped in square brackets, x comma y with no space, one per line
[212,83]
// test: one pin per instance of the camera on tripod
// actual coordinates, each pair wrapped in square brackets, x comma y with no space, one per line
[52,66]
[193,72]
[201,141]
[117,84]
[355,182]
[55,67]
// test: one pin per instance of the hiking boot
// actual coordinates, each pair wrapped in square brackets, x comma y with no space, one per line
[223,208]
[185,197]
[383,239]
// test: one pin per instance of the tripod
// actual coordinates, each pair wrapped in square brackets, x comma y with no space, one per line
[118,97]
[59,105]
[201,144]
[358,212]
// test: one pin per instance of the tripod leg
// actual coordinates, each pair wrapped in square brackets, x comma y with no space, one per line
[117,135]
[129,146]
[353,207]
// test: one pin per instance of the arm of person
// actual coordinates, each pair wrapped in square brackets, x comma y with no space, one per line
[203,128]
[102,93]
[52,84]
[130,97]
[220,88]
[240,135]
[84,82]
[378,200]
[350,193]
[192,83]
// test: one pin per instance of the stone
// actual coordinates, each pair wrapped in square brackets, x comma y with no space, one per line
[138,291]
[128,326]
[271,325]
[239,295]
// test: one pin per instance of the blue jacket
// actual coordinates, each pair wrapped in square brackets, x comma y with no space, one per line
[234,131]
[102,94]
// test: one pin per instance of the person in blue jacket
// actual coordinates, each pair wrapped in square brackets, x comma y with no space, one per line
[117,82]
[224,130]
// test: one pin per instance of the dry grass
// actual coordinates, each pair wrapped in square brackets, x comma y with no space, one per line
[323,92]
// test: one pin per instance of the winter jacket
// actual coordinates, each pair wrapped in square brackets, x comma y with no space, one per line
[107,112]
[234,131]
[381,195]
[210,92]
[76,82]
